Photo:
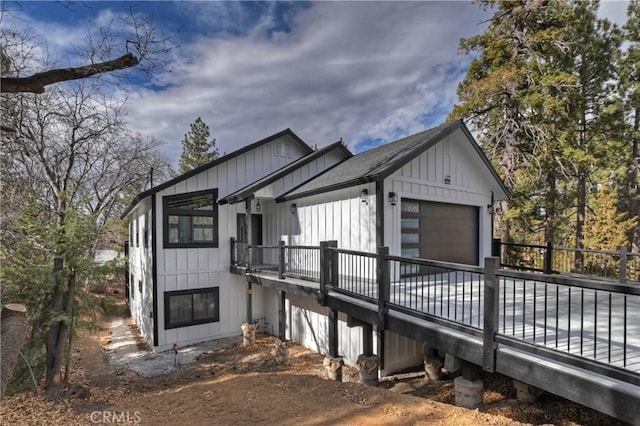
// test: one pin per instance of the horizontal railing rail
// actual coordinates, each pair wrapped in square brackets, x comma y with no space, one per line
[619,264]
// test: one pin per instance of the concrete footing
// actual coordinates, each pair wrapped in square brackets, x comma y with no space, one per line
[333,367]
[249,334]
[368,369]
[527,393]
[432,368]
[282,352]
[468,393]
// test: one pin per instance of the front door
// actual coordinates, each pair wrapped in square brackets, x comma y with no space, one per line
[256,235]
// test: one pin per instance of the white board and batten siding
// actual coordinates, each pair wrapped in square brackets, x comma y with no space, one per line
[454,160]
[140,273]
[193,268]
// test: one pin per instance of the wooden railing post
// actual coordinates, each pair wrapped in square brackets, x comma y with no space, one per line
[234,260]
[491,314]
[384,285]
[281,254]
[324,271]
[548,259]
[333,271]
[623,265]
[384,290]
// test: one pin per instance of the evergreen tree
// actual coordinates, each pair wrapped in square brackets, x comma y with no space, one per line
[607,227]
[630,91]
[496,96]
[196,147]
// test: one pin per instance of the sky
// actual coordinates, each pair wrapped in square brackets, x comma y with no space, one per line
[366,72]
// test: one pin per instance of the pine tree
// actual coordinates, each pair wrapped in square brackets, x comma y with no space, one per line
[630,90]
[607,227]
[497,97]
[196,147]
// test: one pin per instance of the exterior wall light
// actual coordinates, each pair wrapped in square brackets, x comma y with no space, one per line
[258,206]
[447,179]
[393,198]
[364,196]
[293,208]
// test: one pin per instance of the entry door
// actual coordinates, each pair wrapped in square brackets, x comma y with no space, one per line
[256,234]
[439,231]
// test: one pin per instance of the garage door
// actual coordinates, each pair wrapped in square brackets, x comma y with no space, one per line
[439,231]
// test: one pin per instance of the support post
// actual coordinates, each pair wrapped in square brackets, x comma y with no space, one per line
[333,333]
[281,260]
[367,339]
[384,289]
[282,315]
[249,300]
[247,225]
[623,265]
[548,259]
[491,314]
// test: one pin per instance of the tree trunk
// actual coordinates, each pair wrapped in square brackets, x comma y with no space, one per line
[633,184]
[59,330]
[14,331]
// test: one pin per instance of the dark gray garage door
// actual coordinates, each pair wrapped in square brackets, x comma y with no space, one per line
[439,231]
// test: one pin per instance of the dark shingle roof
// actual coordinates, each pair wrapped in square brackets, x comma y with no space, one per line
[289,168]
[380,162]
[213,163]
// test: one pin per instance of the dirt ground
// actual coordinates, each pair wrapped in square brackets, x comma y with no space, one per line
[244,385]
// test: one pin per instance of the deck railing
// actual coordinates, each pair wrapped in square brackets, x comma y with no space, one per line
[586,323]
[289,261]
[620,264]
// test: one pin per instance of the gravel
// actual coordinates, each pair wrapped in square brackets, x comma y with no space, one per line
[124,350]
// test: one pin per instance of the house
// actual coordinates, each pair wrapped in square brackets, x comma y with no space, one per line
[429,195]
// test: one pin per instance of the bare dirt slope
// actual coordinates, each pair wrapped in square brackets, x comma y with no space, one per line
[243,385]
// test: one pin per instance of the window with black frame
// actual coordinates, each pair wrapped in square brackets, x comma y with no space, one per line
[191,307]
[190,220]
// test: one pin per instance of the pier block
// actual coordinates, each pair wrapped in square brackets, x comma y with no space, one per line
[368,369]
[333,367]
[527,393]
[468,394]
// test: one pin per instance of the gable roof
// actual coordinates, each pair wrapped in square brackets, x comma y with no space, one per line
[214,163]
[378,163]
[250,189]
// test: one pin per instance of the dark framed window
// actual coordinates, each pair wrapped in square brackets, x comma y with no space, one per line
[147,219]
[191,307]
[191,220]
[131,240]
[137,226]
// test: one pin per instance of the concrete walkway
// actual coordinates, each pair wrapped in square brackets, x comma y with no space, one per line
[123,351]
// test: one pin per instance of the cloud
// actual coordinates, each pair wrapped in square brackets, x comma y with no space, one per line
[360,71]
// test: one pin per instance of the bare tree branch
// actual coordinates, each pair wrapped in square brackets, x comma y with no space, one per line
[37,82]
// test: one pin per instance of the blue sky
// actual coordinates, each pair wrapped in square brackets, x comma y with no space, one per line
[367,72]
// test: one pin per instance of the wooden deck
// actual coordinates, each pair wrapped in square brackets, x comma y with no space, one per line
[579,340]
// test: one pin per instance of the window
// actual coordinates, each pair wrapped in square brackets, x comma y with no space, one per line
[190,220]
[137,226]
[191,307]
[131,240]
[147,219]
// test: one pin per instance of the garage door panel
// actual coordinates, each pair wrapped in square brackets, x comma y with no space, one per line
[447,232]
